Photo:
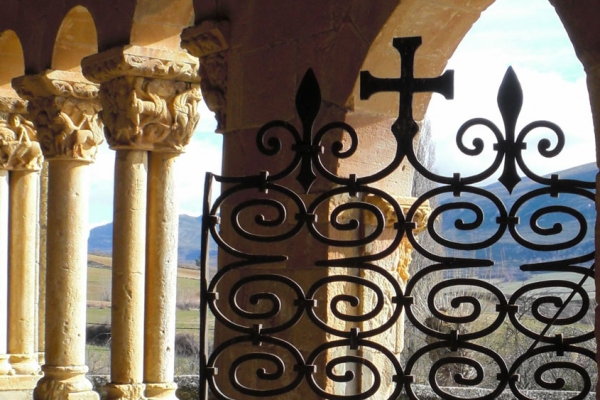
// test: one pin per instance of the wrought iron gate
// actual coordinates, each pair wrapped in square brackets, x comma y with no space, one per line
[259,317]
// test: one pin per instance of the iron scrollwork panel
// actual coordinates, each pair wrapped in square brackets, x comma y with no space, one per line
[473,334]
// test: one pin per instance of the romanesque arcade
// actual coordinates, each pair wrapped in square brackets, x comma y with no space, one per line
[132,73]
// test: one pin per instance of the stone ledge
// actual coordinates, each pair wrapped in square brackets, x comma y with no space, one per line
[425,393]
[187,386]
[188,390]
[24,383]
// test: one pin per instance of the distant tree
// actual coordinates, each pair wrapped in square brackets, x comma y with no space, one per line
[425,152]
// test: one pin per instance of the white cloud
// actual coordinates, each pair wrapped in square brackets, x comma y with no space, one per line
[101,174]
[553,83]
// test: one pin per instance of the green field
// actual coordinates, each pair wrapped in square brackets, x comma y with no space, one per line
[511,287]
[98,313]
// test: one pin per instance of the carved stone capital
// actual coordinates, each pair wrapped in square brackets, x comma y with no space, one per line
[420,218]
[19,149]
[207,38]
[209,42]
[140,62]
[150,114]
[12,104]
[65,108]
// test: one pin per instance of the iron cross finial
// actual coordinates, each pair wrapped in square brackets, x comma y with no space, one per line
[406,85]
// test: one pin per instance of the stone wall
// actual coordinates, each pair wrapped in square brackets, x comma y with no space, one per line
[188,390]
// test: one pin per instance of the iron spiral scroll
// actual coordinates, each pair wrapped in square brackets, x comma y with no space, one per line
[264,309]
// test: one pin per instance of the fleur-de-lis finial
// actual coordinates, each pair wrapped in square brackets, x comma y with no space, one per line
[510,101]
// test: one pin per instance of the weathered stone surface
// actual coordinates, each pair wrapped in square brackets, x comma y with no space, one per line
[187,386]
[19,149]
[129,271]
[161,277]
[210,41]
[68,194]
[64,107]
[4,237]
[67,383]
[22,273]
[140,61]
[149,114]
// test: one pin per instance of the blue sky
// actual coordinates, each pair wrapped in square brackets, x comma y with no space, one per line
[526,34]
[529,36]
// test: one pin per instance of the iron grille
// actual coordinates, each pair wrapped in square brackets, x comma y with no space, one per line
[267,312]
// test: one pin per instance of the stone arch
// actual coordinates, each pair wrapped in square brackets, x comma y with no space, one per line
[76,39]
[442,27]
[158,24]
[11,54]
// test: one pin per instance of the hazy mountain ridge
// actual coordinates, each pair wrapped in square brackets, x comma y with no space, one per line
[190,229]
[100,239]
[506,252]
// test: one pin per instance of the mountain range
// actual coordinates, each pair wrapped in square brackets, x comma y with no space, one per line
[506,250]
[190,228]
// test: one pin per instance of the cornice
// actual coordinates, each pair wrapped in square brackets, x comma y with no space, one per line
[142,62]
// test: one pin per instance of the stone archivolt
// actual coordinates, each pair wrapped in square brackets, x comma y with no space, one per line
[156,115]
[65,107]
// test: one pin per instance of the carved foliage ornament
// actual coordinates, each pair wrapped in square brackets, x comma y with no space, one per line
[150,114]
[19,149]
[68,127]
[65,108]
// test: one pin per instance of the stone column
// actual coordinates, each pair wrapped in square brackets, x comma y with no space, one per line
[20,161]
[4,200]
[65,109]
[24,185]
[397,264]
[161,279]
[5,107]
[149,100]
[42,236]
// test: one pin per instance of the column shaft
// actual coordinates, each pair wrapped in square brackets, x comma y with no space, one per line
[129,244]
[66,272]
[67,263]
[42,240]
[4,217]
[161,279]
[22,270]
